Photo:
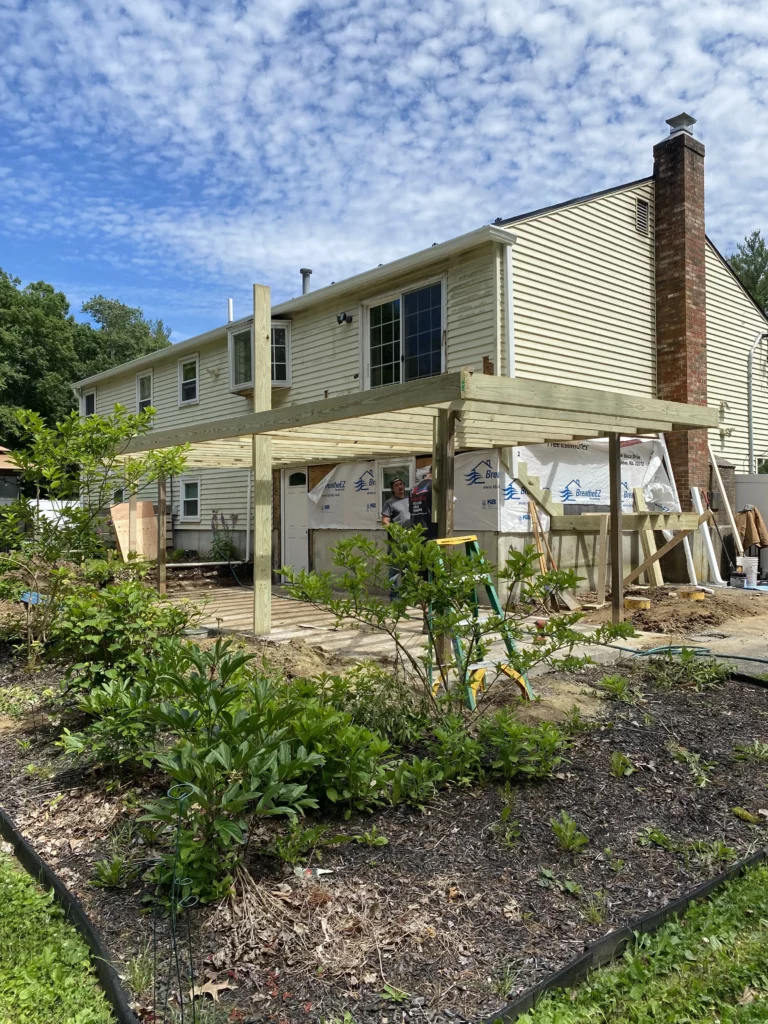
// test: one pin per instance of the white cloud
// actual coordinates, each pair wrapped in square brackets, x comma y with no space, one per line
[241,140]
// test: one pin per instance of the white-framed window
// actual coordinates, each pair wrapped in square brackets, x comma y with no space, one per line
[391,469]
[404,335]
[241,356]
[88,403]
[143,390]
[189,380]
[190,499]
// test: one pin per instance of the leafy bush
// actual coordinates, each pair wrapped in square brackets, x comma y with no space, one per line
[518,749]
[567,833]
[621,689]
[107,633]
[458,754]
[689,670]
[414,782]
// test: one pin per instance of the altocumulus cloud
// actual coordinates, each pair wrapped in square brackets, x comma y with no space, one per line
[237,141]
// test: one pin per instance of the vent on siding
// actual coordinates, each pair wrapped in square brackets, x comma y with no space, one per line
[642,215]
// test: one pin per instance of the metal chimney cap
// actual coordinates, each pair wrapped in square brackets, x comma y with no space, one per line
[305,270]
[682,123]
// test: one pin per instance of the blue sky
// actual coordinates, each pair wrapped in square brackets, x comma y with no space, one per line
[169,153]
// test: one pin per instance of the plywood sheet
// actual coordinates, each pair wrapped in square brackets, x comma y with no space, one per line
[146,529]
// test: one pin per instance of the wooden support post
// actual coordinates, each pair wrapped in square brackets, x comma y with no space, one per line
[617,582]
[648,542]
[445,450]
[132,525]
[734,529]
[602,559]
[262,464]
[161,534]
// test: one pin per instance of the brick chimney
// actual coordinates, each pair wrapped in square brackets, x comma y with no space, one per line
[681,328]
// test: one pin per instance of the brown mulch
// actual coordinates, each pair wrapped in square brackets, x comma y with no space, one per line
[445,912]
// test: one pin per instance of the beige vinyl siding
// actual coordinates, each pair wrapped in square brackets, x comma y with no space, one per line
[732,325]
[222,490]
[214,397]
[584,299]
[471,301]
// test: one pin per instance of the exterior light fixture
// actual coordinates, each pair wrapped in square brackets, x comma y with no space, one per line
[343,318]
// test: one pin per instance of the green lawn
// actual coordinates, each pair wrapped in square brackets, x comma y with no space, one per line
[45,969]
[712,966]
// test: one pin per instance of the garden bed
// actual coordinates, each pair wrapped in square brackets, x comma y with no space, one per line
[467,903]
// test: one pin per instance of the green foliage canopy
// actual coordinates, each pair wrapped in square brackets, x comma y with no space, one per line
[750,264]
[44,349]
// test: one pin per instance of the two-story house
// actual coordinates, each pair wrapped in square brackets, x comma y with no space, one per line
[618,291]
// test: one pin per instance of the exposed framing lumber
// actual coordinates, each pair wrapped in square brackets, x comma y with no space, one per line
[589,522]
[161,535]
[262,465]
[542,495]
[703,518]
[132,524]
[617,556]
[564,398]
[602,559]
[716,469]
[444,460]
[647,540]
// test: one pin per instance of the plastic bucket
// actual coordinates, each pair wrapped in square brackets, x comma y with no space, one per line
[749,564]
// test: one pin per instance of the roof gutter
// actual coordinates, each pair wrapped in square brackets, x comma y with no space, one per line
[360,282]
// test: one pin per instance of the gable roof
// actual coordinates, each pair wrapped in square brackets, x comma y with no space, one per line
[572,202]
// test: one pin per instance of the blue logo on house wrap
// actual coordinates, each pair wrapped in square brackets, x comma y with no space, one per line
[481,473]
[573,491]
[366,481]
[511,493]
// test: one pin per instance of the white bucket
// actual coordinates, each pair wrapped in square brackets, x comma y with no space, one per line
[749,565]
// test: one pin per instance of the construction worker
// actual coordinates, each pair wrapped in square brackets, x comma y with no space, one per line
[396,510]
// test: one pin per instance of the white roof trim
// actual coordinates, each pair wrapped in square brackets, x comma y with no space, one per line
[360,282]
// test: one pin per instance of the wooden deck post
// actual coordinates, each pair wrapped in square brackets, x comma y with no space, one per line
[161,534]
[132,525]
[262,463]
[445,450]
[617,548]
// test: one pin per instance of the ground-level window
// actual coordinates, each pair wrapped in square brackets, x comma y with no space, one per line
[405,336]
[118,497]
[297,479]
[188,380]
[89,402]
[190,500]
[762,465]
[389,471]
[143,391]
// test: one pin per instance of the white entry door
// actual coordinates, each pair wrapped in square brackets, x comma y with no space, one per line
[295,517]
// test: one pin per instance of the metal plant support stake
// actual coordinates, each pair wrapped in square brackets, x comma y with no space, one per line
[177,903]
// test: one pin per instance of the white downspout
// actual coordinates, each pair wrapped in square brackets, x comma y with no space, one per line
[750,419]
[509,311]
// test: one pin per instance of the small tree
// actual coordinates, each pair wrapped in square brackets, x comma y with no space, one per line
[441,583]
[750,264]
[77,464]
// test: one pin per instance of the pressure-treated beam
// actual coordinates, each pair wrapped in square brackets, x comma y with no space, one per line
[161,534]
[617,572]
[262,464]
[564,398]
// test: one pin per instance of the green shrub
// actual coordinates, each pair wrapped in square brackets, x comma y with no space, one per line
[689,670]
[414,782]
[518,749]
[567,832]
[106,633]
[458,754]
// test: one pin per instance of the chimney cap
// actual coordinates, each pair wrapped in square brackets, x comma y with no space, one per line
[681,123]
[305,270]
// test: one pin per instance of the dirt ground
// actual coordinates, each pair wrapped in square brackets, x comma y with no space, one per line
[447,911]
[669,613]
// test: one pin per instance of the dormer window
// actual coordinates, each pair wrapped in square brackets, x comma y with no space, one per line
[241,357]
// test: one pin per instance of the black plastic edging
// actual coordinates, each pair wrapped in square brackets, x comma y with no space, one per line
[75,914]
[612,945]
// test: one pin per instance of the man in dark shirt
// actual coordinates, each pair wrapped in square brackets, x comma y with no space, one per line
[396,510]
[421,506]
